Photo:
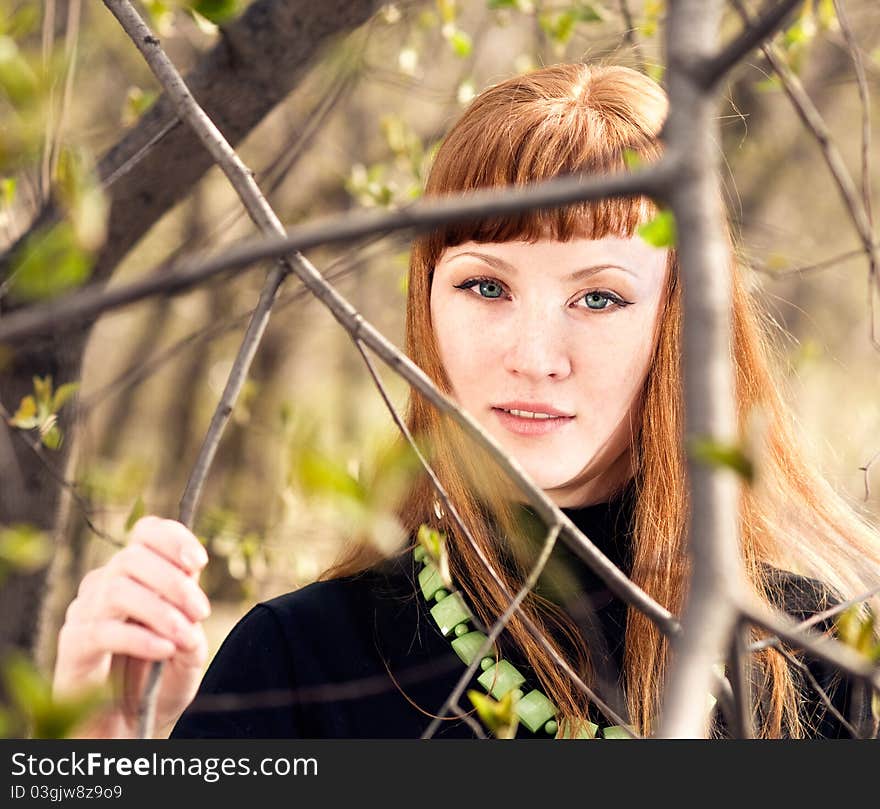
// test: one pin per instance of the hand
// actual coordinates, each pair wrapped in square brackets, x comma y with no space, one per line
[145,604]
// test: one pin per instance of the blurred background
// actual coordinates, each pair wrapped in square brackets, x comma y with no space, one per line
[358,132]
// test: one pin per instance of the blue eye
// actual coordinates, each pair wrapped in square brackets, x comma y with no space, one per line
[486,287]
[600,300]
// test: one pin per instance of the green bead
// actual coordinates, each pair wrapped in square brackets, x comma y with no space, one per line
[500,678]
[487,662]
[551,727]
[534,710]
[467,645]
[419,553]
[430,581]
[440,595]
[461,629]
[583,730]
[450,612]
[614,732]
[516,694]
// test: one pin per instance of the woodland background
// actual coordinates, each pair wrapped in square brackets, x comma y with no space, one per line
[367,107]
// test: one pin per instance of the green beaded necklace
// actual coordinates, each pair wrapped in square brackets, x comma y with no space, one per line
[499,677]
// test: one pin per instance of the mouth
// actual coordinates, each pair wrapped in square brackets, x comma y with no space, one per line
[534,419]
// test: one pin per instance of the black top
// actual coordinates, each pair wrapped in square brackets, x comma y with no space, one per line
[361,656]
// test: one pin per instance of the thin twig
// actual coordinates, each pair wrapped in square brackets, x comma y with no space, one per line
[71,48]
[754,34]
[823,695]
[85,305]
[815,125]
[629,33]
[865,469]
[82,503]
[818,618]
[741,680]
[826,264]
[450,508]
[864,96]
[242,180]
[831,651]
[138,373]
[48,41]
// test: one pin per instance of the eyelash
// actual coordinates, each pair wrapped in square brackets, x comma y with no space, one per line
[616,300]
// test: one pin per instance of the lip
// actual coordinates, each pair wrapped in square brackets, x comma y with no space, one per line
[520,425]
[533,407]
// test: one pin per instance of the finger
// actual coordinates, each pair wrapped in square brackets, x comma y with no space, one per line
[171,539]
[127,599]
[115,636]
[142,564]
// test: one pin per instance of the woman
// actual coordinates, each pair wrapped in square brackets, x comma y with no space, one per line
[560,333]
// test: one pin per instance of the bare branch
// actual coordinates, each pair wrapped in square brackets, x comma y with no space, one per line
[242,180]
[88,303]
[823,695]
[754,34]
[83,505]
[818,618]
[815,124]
[866,468]
[740,666]
[818,645]
[536,631]
[862,80]
[629,33]
[710,615]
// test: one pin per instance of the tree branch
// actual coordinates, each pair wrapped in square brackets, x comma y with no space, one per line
[709,617]
[815,125]
[86,304]
[716,67]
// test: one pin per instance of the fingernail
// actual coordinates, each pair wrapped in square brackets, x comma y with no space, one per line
[194,558]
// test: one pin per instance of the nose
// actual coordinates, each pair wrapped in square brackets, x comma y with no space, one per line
[536,347]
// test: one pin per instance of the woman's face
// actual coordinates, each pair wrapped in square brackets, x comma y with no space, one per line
[547,345]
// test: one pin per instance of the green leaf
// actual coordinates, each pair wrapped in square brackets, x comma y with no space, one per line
[137,511]
[63,394]
[24,548]
[49,264]
[52,436]
[715,453]
[493,4]
[660,231]
[25,418]
[23,21]
[632,159]
[217,11]
[461,42]
[17,79]
[321,475]
[31,698]
[498,716]
[7,191]
[590,12]
[655,70]
[43,390]
[434,543]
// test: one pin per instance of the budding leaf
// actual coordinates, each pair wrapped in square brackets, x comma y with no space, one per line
[499,716]
[660,231]
[217,11]
[715,453]
[137,511]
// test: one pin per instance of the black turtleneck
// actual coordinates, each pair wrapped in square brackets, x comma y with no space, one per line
[361,657]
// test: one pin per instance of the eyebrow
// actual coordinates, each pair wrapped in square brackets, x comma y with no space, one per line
[576,275]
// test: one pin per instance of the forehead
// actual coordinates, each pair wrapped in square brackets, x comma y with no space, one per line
[553,257]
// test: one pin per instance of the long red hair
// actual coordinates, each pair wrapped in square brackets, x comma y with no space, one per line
[578,118]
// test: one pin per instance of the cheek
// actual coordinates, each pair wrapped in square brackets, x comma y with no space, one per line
[464,346]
